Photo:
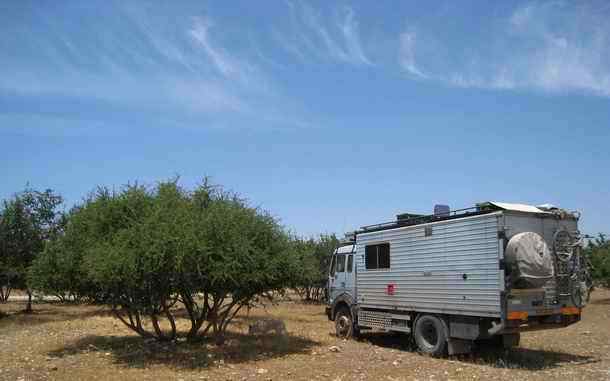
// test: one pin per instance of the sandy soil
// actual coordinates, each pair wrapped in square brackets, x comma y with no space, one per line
[85,342]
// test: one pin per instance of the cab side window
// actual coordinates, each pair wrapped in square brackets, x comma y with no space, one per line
[350,263]
[340,263]
[333,264]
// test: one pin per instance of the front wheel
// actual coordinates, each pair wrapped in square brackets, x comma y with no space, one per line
[344,324]
[430,335]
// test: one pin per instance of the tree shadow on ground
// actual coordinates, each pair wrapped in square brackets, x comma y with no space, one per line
[244,320]
[601,301]
[245,317]
[50,312]
[133,351]
[488,355]
[524,358]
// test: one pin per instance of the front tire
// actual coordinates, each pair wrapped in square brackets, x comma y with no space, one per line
[430,335]
[344,324]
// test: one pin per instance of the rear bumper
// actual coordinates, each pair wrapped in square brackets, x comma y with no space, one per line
[535,323]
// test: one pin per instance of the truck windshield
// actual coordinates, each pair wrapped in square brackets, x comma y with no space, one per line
[332,266]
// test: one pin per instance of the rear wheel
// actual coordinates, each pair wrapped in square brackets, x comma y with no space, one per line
[344,325]
[430,335]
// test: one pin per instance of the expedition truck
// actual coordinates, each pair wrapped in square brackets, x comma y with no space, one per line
[455,278]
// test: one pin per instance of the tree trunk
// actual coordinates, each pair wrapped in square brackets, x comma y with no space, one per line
[195,327]
[5,293]
[161,336]
[134,323]
[28,308]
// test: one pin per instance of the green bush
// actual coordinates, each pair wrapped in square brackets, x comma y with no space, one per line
[143,251]
[27,221]
[313,257]
[598,253]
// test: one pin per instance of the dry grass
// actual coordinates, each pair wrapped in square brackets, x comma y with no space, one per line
[86,342]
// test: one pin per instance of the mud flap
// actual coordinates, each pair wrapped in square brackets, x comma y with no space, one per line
[459,346]
[511,340]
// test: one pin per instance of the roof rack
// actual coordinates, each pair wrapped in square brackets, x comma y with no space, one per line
[349,239]
[424,219]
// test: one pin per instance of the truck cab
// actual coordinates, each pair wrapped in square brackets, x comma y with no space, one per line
[342,284]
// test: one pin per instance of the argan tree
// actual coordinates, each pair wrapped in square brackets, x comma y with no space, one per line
[241,254]
[146,252]
[314,257]
[27,222]
[119,248]
[598,253]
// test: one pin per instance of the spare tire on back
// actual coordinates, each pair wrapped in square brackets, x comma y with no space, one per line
[530,260]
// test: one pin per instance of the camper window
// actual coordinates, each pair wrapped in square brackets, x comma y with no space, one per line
[377,256]
[383,252]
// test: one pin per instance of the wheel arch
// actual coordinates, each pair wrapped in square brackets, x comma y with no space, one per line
[343,300]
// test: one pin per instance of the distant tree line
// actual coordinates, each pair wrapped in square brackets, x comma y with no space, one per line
[313,255]
[27,222]
[155,254]
[598,253]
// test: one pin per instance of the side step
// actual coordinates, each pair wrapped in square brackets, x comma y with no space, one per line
[384,320]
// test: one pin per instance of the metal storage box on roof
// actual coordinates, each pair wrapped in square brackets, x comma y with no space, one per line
[444,267]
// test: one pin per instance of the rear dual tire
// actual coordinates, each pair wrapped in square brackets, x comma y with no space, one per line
[430,335]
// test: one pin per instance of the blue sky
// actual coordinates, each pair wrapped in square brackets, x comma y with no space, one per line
[331,115]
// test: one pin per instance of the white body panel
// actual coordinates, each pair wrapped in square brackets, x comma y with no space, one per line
[454,270]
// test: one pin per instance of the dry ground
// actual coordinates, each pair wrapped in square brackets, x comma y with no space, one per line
[85,342]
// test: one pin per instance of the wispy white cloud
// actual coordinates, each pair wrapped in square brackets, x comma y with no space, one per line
[223,62]
[319,37]
[143,57]
[406,54]
[161,38]
[545,46]
[312,20]
[573,56]
[350,29]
